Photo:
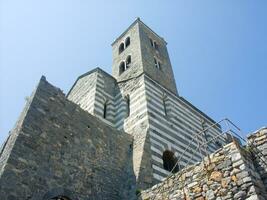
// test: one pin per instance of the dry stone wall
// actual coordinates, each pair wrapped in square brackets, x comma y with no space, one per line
[226,174]
[257,143]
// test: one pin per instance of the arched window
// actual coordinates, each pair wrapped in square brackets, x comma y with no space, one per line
[121,48]
[156,46]
[151,42]
[128,62]
[218,144]
[122,67]
[157,63]
[127,42]
[169,161]
[105,109]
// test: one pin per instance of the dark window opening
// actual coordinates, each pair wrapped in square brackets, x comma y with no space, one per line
[156,46]
[157,63]
[127,42]
[121,48]
[128,62]
[122,67]
[151,42]
[218,144]
[169,161]
[105,110]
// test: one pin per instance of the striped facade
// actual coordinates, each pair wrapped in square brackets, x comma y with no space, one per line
[172,127]
[143,101]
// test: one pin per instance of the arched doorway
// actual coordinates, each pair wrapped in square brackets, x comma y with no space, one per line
[169,161]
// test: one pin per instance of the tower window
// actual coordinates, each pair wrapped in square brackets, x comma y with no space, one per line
[128,62]
[154,44]
[121,48]
[157,63]
[127,42]
[122,67]
[151,42]
[169,161]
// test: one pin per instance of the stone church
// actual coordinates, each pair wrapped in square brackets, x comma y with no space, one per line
[111,135]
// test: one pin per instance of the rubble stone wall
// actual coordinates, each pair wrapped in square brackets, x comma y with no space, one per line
[228,173]
[257,143]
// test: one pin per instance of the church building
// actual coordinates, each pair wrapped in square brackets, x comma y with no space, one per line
[111,135]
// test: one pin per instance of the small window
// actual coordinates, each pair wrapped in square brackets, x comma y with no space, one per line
[105,109]
[218,144]
[170,161]
[127,42]
[156,46]
[128,62]
[151,42]
[121,48]
[122,67]
[157,63]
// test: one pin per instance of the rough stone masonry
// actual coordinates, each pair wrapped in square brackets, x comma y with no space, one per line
[229,173]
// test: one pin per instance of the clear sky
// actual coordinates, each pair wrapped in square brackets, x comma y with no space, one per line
[218,50]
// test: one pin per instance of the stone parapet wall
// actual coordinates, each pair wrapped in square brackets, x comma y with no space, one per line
[228,173]
[257,143]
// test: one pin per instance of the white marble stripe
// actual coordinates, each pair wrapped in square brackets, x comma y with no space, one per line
[163,171]
[173,96]
[179,145]
[158,177]
[214,131]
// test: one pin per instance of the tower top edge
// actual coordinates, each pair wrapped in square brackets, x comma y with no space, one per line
[138,20]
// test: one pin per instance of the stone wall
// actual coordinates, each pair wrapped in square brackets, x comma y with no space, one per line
[133,50]
[228,174]
[257,143]
[164,75]
[94,89]
[59,149]
[175,127]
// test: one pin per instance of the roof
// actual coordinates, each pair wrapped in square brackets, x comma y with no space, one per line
[138,20]
[88,73]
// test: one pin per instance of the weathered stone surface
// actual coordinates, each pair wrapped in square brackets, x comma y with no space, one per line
[216,176]
[214,182]
[60,148]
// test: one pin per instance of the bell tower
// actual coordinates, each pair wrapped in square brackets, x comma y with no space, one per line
[139,50]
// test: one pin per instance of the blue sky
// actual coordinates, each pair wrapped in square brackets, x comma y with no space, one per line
[218,50]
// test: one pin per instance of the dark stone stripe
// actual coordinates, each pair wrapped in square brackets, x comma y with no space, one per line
[178,151]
